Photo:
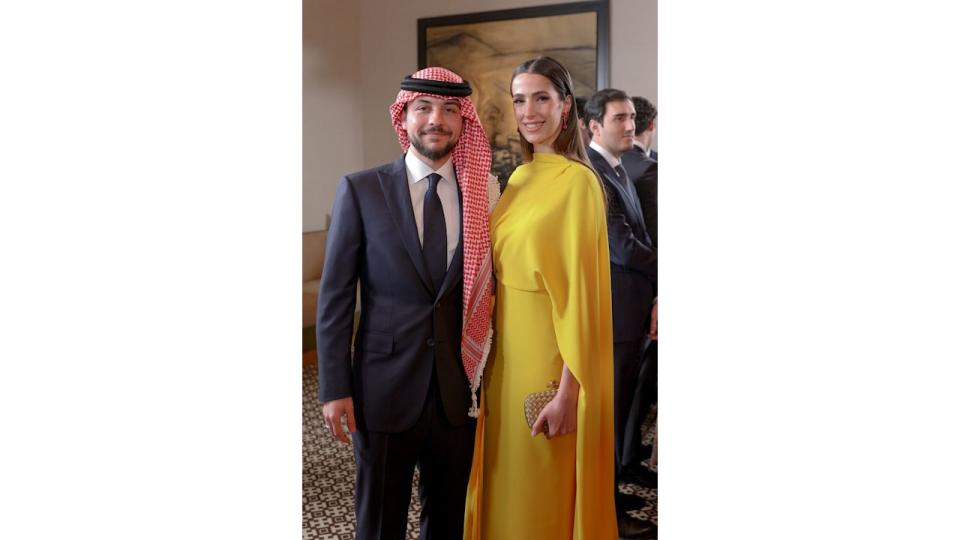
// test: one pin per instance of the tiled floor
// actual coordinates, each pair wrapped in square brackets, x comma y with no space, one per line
[328,471]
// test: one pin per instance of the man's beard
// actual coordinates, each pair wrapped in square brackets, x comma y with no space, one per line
[432,154]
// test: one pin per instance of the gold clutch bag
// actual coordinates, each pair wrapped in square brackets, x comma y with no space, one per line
[535,402]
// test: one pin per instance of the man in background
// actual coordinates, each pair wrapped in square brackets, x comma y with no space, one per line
[646,125]
[610,116]
[641,162]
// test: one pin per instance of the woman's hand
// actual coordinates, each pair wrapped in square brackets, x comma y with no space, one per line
[559,417]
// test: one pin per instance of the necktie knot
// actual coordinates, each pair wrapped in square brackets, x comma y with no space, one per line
[434,179]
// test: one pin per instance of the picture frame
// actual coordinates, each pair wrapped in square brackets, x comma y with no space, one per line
[485,47]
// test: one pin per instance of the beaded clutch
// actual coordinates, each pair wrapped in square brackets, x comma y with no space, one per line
[535,402]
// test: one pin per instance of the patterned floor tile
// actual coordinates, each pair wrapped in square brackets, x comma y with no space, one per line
[328,475]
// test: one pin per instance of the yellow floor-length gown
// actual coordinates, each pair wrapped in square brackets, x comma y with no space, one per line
[552,265]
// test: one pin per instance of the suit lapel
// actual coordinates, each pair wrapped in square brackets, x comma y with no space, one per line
[393,182]
[454,269]
[610,176]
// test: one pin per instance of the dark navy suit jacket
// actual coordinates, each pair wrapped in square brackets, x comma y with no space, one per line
[643,172]
[633,259]
[408,332]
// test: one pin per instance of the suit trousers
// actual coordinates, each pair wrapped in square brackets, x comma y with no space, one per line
[627,360]
[644,396]
[385,465]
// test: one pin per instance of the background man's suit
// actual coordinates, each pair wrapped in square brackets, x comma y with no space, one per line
[410,393]
[643,172]
[633,275]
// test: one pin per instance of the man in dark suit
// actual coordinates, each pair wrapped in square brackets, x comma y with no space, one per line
[633,260]
[405,391]
[641,162]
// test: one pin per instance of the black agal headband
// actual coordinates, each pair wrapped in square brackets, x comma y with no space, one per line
[439,88]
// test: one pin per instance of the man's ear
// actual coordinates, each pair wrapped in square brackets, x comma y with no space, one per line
[590,126]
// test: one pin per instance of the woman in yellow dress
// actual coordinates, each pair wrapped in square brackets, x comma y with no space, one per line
[553,322]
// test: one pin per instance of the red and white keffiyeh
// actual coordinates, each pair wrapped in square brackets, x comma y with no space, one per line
[471,159]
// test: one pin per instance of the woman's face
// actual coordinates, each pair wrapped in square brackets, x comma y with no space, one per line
[538,108]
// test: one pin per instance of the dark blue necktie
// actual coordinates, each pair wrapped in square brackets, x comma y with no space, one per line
[434,233]
[622,175]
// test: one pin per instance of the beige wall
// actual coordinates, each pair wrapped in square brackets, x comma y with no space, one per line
[367,69]
[332,108]
[633,49]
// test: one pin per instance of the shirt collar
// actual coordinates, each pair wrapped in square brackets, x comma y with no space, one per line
[419,170]
[614,162]
[640,146]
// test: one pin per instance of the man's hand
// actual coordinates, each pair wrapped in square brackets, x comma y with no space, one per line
[653,322]
[333,412]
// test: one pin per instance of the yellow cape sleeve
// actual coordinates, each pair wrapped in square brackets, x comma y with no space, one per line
[577,279]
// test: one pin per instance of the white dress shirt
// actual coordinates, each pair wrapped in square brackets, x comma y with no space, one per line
[447,189]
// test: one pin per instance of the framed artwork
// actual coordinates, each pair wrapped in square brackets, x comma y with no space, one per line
[484,48]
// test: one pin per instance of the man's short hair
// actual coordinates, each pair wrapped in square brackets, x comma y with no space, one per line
[646,113]
[596,106]
[581,103]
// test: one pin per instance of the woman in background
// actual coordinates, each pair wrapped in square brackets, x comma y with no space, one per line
[553,323]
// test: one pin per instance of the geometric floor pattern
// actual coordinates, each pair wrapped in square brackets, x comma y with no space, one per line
[328,474]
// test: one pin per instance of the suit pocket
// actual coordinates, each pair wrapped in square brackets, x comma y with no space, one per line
[378,343]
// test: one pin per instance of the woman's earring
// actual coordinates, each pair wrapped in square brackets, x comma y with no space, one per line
[565,118]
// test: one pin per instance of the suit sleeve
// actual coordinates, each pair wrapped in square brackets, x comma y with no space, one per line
[338,295]
[626,248]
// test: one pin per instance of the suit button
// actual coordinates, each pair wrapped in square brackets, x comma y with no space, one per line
[431,342]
